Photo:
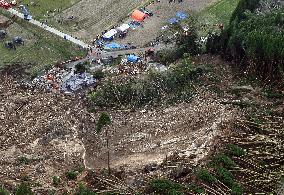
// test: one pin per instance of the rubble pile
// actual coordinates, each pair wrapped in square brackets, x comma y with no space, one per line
[39,135]
[63,80]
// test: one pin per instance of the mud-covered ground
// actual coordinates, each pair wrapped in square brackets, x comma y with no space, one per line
[43,134]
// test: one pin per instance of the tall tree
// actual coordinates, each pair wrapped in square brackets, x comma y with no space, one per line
[104,120]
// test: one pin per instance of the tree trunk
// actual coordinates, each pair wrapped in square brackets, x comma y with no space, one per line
[108,156]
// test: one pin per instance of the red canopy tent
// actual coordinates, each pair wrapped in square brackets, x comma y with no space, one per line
[4,4]
[138,15]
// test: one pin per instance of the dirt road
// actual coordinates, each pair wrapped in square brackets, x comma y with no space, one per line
[94,16]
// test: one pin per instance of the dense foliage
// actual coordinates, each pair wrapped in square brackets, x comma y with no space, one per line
[243,6]
[171,86]
[255,41]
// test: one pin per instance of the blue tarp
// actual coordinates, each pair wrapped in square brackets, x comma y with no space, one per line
[134,24]
[132,58]
[173,21]
[181,15]
[112,45]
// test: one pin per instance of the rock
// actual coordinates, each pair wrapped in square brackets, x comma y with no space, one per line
[150,167]
[179,172]
[243,88]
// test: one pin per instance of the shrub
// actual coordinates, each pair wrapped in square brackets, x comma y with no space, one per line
[3,191]
[171,86]
[23,189]
[56,180]
[235,150]
[237,189]
[23,160]
[196,189]
[223,160]
[164,186]
[99,74]
[83,190]
[72,175]
[103,121]
[242,7]
[225,176]
[80,68]
[205,176]
[254,41]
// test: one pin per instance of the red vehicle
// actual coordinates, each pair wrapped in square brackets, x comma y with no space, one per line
[5,4]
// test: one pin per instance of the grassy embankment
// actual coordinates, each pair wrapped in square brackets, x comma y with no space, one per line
[41,48]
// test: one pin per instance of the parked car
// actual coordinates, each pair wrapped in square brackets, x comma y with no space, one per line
[146,12]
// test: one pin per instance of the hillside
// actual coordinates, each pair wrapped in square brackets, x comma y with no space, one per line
[193,105]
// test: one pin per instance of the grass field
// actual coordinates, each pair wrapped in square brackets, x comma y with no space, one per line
[220,12]
[39,8]
[41,48]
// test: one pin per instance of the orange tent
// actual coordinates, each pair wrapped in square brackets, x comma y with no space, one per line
[138,15]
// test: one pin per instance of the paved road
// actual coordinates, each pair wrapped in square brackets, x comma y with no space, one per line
[50,29]
[106,54]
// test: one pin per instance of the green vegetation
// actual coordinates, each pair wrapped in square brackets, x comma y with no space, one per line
[171,86]
[223,160]
[103,121]
[255,41]
[3,191]
[205,176]
[56,180]
[23,189]
[72,175]
[234,150]
[217,13]
[165,187]
[225,176]
[196,189]
[83,190]
[41,49]
[40,8]
[23,160]
[243,6]
[99,74]
[74,172]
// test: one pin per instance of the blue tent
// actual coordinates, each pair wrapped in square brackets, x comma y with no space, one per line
[112,45]
[173,21]
[132,58]
[181,15]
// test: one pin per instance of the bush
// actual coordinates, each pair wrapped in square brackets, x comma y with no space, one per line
[80,68]
[99,74]
[171,86]
[235,150]
[56,180]
[83,190]
[225,176]
[243,6]
[72,175]
[23,189]
[3,191]
[165,187]
[196,189]
[254,41]
[103,121]
[206,176]
[237,189]
[23,160]
[223,160]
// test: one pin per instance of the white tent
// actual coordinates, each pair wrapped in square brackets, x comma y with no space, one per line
[123,27]
[110,34]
